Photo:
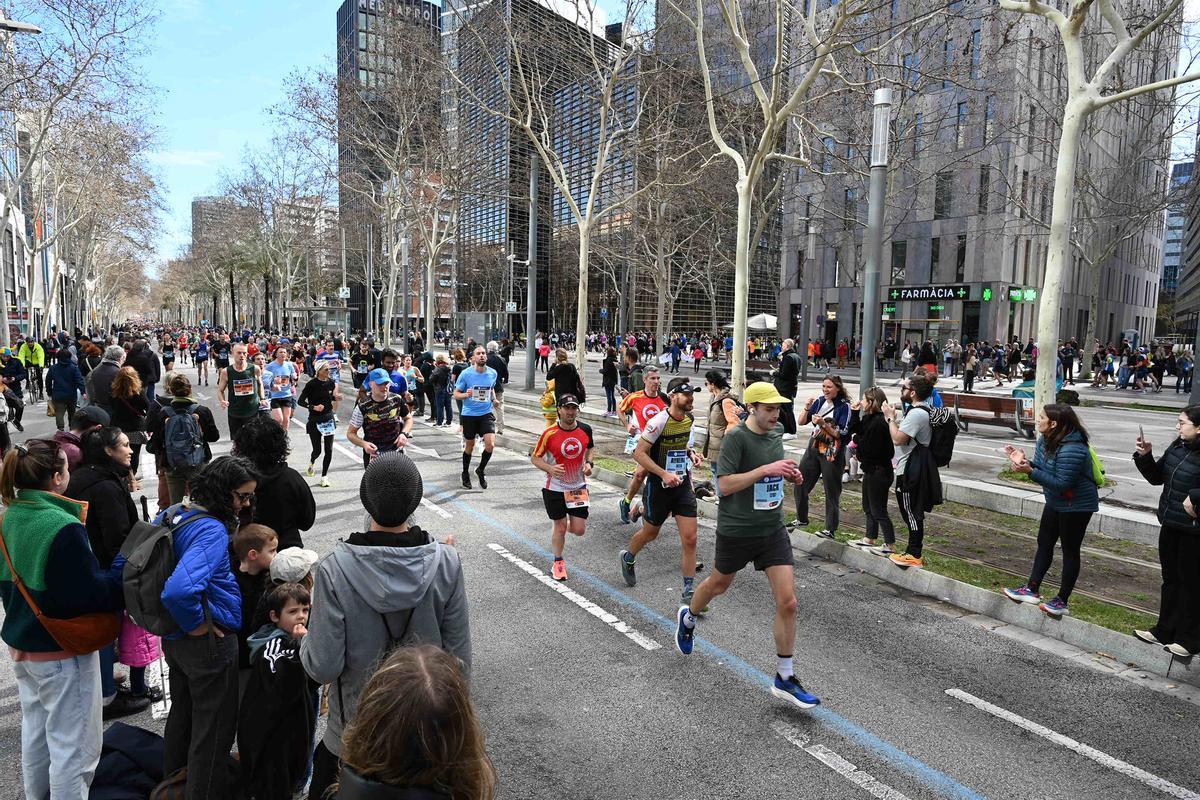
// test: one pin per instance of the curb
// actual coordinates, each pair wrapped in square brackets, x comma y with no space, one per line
[1100,648]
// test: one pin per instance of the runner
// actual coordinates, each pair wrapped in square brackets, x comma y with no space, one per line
[564,453]
[637,409]
[665,451]
[240,390]
[364,359]
[320,397]
[476,388]
[183,350]
[220,352]
[168,353]
[280,379]
[200,356]
[382,417]
[751,476]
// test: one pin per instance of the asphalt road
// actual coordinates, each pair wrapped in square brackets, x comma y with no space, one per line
[583,694]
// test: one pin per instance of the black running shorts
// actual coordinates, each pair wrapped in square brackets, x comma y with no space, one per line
[556,506]
[660,502]
[735,552]
[477,426]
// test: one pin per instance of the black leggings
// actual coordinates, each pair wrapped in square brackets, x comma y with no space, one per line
[1067,527]
[314,436]
[876,486]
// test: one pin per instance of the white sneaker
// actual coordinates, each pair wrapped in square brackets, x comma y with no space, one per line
[325,483]
[1147,637]
[787,437]
[1179,650]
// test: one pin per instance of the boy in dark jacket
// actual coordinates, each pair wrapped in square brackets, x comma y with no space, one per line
[276,723]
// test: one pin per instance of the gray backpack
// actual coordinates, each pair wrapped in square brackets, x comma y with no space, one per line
[149,552]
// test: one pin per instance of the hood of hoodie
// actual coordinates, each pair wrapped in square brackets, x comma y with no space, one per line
[258,640]
[389,579]
[87,476]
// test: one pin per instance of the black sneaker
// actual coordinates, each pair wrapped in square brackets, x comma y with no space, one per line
[125,704]
[482,479]
[18,426]
[466,479]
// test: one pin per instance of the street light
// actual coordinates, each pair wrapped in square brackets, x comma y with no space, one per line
[12,26]
[874,237]
[9,26]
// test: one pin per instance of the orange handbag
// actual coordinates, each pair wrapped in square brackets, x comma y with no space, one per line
[78,636]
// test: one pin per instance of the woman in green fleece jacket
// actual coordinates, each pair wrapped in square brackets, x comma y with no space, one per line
[61,723]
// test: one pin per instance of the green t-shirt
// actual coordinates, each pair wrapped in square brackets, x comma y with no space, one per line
[756,510]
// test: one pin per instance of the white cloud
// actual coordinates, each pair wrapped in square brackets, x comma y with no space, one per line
[187,158]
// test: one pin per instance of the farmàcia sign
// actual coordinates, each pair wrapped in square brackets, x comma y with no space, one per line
[931,292]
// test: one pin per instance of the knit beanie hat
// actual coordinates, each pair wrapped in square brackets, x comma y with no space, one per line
[391,489]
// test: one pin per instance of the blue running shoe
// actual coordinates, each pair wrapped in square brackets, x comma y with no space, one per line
[623,505]
[1056,608]
[1023,595]
[793,692]
[627,568]
[684,634]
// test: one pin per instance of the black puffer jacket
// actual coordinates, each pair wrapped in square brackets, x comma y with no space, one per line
[1178,472]
[111,512]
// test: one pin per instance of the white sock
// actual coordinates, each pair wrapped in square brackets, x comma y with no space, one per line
[689,621]
[785,667]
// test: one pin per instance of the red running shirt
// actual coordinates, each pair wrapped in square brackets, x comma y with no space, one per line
[569,448]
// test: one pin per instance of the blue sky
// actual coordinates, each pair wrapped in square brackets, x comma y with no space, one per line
[219,65]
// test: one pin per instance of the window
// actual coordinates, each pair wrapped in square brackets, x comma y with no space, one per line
[1029,132]
[918,133]
[960,258]
[908,73]
[960,125]
[899,262]
[985,180]
[989,114]
[935,254]
[947,63]
[942,190]
[976,56]
[851,200]
[1024,193]
[827,155]
[895,9]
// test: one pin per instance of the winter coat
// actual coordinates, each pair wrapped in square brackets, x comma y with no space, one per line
[155,424]
[355,587]
[566,380]
[1178,472]
[922,481]
[63,381]
[608,372]
[146,366]
[136,647]
[202,573]
[99,384]
[129,413]
[111,511]
[874,438]
[788,374]
[284,502]
[501,366]
[1066,475]
[353,786]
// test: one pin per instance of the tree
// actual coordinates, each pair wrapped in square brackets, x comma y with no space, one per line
[1107,43]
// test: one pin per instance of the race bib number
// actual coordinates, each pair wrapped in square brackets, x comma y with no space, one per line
[576,498]
[678,462]
[481,393]
[327,428]
[281,383]
[631,444]
[768,494]
[243,387]
[362,369]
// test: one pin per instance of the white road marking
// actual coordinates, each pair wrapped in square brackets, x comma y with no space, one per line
[1101,758]
[645,642]
[423,451]
[435,508]
[841,766]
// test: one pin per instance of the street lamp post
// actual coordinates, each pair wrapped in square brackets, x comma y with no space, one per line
[7,28]
[874,237]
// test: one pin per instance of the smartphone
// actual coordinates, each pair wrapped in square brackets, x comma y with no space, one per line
[1141,434]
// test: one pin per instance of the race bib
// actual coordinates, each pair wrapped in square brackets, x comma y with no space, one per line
[243,387]
[327,428]
[576,498]
[362,369]
[631,444]
[678,462]
[481,393]
[281,382]
[768,494]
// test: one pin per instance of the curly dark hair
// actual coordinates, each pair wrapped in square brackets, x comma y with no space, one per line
[213,484]
[263,442]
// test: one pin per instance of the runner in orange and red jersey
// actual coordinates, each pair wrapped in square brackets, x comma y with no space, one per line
[637,409]
[564,453]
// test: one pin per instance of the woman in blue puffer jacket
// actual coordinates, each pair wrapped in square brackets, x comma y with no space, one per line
[1062,465]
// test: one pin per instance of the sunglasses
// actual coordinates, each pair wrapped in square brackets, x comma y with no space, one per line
[244,497]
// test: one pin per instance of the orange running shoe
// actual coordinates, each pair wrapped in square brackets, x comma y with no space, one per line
[906,561]
[559,570]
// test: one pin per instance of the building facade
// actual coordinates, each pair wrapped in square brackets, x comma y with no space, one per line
[972,151]
[1181,174]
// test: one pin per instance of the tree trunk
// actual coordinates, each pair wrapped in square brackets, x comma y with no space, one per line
[1061,217]
[267,300]
[662,280]
[581,308]
[1085,364]
[741,272]
[389,307]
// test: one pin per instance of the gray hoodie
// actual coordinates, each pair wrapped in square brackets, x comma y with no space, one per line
[354,587]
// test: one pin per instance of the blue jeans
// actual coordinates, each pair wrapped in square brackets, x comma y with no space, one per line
[108,656]
[611,394]
[443,407]
[61,725]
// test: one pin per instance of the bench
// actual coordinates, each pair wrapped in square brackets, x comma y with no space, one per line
[980,409]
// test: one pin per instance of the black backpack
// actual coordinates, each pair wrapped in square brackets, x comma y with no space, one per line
[183,442]
[149,552]
[943,431]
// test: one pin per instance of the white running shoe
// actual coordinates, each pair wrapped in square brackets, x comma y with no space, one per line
[325,483]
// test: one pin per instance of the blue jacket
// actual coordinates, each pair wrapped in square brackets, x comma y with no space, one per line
[1066,476]
[202,573]
[63,380]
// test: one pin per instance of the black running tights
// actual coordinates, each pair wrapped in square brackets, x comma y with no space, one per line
[314,436]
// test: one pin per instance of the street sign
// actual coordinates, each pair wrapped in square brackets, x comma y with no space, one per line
[343,293]
[604,313]
[510,307]
[930,292]
[889,308]
[1022,294]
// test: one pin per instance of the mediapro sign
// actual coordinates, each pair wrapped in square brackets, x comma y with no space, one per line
[931,292]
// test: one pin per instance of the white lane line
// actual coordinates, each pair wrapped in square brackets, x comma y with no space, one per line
[1101,758]
[423,451]
[435,508]
[645,642]
[841,766]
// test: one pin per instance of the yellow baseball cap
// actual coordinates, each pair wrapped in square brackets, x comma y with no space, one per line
[762,392]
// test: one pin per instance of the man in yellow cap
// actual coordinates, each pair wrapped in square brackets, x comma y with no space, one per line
[751,474]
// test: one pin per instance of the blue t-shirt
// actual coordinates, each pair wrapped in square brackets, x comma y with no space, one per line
[399,384]
[279,378]
[481,385]
[728,342]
